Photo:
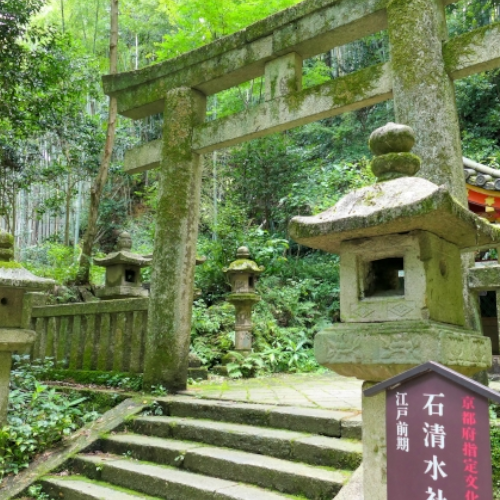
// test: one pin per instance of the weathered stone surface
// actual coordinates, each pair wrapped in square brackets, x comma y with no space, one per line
[432,281]
[104,335]
[311,420]
[169,318]
[272,442]
[353,490]
[352,427]
[166,482]
[484,278]
[12,339]
[394,165]
[148,448]
[353,91]
[82,309]
[374,447]
[267,472]
[5,364]
[424,94]
[339,453]
[144,157]
[378,351]
[473,52]
[283,76]
[78,489]
[314,450]
[311,28]
[392,138]
[395,206]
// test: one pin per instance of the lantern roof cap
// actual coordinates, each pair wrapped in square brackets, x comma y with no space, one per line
[243,263]
[123,255]
[398,204]
[432,366]
[13,274]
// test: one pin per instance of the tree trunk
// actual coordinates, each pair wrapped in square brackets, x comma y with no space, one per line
[100,181]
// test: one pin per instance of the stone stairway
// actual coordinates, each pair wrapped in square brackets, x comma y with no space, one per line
[203,449]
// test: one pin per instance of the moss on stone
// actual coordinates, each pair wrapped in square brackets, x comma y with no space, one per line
[10,265]
[462,45]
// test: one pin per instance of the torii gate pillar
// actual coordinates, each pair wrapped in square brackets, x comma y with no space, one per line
[170,303]
[424,93]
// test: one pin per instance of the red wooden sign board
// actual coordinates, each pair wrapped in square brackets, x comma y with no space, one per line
[438,440]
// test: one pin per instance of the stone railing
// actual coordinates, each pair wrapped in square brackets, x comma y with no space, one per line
[106,336]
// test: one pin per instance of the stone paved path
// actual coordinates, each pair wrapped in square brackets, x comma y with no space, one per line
[315,390]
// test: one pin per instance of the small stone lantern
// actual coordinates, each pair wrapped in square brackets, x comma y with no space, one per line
[15,282]
[123,271]
[242,274]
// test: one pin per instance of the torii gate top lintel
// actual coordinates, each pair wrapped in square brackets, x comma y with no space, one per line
[276,46]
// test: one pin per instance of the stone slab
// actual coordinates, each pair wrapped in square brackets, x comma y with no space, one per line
[321,450]
[12,339]
[78,489]
[105,306]
[326,422]
[381,350]
[272,442]
[267,472]
[166,482]
[347,93]
[484,278]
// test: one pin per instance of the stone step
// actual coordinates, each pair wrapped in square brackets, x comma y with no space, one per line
[271,473]
[165,482]
[80,488]
[333,423]
[288,445]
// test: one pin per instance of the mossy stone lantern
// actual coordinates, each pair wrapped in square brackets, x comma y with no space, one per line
[243,274]
[123,271]
[15,282]
[400,242]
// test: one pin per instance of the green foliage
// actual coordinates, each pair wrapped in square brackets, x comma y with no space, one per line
[495,460]
[38,418]
[52,260]
[196,23]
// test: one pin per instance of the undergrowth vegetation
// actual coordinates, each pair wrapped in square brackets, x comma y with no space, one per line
[38,418]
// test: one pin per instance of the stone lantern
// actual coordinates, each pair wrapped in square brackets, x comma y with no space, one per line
[15,282]
[123,271]
[401,282]
[243,274]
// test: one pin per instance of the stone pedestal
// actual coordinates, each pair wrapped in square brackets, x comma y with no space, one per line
[243,303]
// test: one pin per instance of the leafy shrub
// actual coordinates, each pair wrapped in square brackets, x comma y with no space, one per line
[38,418]
[495,460]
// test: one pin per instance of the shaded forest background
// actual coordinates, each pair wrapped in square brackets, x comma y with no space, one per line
[53,120]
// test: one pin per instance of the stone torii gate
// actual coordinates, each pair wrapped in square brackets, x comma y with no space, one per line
[419,77]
